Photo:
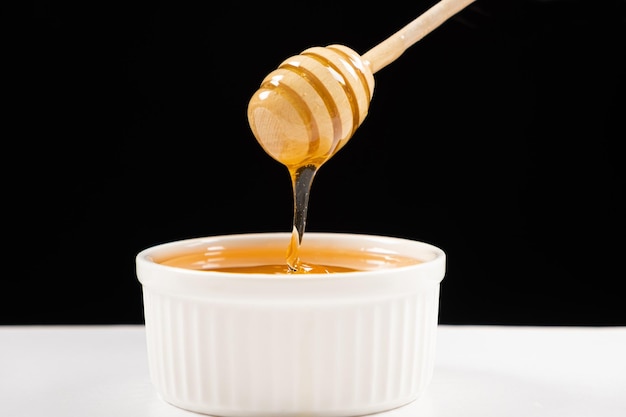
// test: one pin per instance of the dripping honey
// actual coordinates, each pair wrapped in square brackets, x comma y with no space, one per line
[304,112]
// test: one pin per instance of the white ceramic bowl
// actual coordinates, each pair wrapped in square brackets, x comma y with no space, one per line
[255,345]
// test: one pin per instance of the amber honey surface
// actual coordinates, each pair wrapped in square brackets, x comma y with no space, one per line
[270,259]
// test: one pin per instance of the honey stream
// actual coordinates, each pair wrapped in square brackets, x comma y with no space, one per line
[302,180]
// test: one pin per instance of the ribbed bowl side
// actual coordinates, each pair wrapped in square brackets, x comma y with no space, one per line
[262,359]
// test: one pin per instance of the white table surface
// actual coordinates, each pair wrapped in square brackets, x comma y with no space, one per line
[499,371]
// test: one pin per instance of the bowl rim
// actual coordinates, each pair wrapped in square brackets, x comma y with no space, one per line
[145,258]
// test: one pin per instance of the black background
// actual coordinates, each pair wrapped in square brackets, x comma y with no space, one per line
[498,137]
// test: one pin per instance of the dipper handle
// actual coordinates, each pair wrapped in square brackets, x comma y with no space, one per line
[390,49]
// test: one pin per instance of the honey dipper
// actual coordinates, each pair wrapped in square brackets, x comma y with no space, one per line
[311,105]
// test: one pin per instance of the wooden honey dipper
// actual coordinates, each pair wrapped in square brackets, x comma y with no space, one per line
[311,105]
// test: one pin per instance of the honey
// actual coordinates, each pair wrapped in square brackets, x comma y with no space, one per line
[304,112]
[270,259]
